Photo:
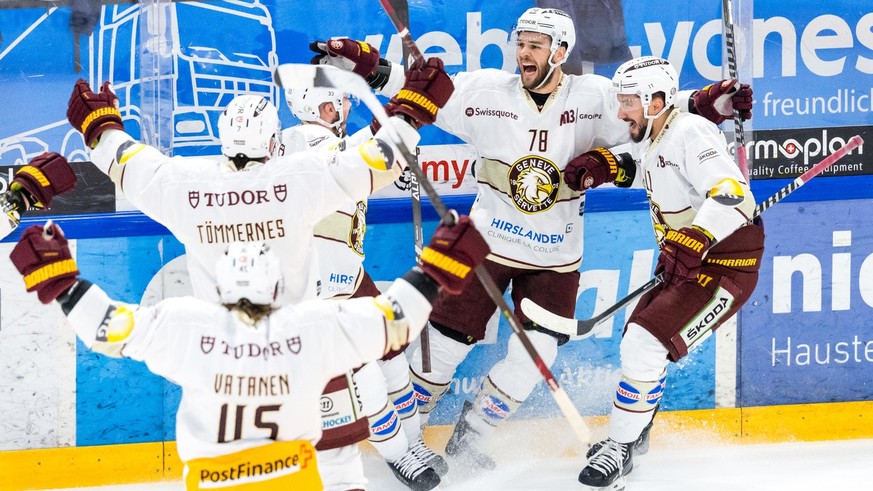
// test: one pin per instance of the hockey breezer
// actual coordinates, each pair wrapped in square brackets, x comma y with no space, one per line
[299,76]
[582,327]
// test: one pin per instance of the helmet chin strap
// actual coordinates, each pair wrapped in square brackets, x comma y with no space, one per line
[651,119]
[552,67]
[336,126]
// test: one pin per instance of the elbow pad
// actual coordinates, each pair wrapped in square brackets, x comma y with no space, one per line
[728,206]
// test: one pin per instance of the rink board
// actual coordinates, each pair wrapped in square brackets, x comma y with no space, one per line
[157,461]
[112,401]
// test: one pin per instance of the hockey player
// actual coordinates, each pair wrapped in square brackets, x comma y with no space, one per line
[527,127]
[207,204]
[251,373]
[710,253]
[395,430]
[33,188]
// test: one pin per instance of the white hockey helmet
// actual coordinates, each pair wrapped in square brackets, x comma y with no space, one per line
[305,103]
[646,76]
[554,23]
[249,126]
[248,270]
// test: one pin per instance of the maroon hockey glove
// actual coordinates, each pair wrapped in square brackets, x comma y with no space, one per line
[44,177]
[354,56]
[43,258]
[598,166]
[454,251]
[682,254]
[427,89]
[91,113]
[716,102]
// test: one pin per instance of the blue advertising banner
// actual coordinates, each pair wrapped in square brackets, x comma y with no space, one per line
[811,66]
[807,331]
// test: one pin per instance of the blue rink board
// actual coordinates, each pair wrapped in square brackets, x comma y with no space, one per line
[820,347]
[119,401]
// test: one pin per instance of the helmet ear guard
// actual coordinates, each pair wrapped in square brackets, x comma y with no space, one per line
[249,126]
[644,77]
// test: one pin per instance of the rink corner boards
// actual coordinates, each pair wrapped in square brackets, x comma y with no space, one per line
[53,468]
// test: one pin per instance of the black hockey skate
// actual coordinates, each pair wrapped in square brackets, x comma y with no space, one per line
[463,444]
[608,466]
[641,444]
[429,457]
[414,473]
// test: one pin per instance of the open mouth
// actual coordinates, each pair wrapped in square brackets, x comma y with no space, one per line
[529,69]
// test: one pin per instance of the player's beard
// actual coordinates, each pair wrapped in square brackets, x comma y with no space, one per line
[638,130]
[541,72]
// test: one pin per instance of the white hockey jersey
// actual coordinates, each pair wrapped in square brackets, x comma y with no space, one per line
[245,385]
[691,179]
[529,217]
[339,237]
[206,205]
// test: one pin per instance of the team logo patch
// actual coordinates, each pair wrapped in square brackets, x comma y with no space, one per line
[727,192]
[625,393]
[404,182]
[336,45]
[116,325]
[359,228]
[534,183]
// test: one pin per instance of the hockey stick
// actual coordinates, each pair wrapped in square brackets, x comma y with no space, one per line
[579,327]
[300,76]
[566,406]
[414,187]
[402,30]
[731,44]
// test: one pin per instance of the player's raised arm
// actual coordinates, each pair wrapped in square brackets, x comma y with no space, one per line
[96,116]
[33,187]
[361,58]
[426,89]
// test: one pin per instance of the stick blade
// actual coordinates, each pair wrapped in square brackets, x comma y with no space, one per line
[295,75]
[304,75]
[548,319]
[584,327]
